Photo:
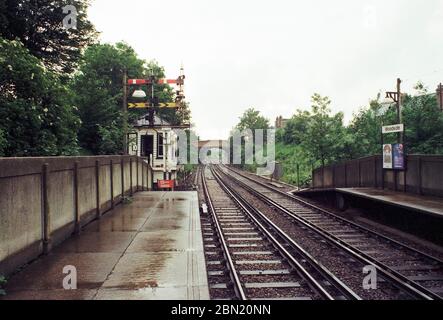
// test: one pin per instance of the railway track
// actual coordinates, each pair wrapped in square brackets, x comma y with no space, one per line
[249,257]
[415,273]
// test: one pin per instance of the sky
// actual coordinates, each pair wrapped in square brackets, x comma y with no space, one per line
[274,55]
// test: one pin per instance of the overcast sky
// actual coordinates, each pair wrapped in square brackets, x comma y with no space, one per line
[273,55]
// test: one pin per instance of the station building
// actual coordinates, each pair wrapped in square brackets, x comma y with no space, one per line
[158,144]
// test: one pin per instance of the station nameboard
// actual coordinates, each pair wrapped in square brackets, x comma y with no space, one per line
[393,128]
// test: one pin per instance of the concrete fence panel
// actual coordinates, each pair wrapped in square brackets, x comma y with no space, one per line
[432,176]
[105,186]
[117,181]
[20,220]
[87,193]
[423,175]
[61,200]
[127,177]
[44,200]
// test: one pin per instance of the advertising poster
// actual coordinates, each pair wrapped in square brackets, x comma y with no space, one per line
[387,156]
[398,156]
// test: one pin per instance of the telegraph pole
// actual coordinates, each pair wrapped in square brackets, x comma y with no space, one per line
[440,93]
[399,115]
[125,112]
[396,96]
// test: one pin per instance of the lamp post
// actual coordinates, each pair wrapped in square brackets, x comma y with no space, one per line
[396,97]
[125,112]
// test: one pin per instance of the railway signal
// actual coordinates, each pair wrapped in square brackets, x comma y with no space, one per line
[132,82]
[146,105]
[153,101]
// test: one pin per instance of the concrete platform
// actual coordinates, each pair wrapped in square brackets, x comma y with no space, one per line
[149,249]
[423,204]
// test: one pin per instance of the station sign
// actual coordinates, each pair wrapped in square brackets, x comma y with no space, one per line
[394,128]
[165,184]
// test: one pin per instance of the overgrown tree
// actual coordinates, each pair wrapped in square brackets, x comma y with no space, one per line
[98,87]
[325,132]
[296,127]
[253,120]
[424,123]
[38,24]
[37,116]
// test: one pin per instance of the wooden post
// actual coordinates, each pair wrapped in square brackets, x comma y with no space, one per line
[333,175]
[122,163]
[125,112]
[130,176]
[46,210]
[138,182]
[97,184]
[143,175]
[77,228]
[313,176]
[359,173]
[323,176]
[420,183]
[346,175]
[375,172]
[112,185]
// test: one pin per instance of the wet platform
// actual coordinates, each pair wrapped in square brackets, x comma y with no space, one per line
[423,204]
[150,249]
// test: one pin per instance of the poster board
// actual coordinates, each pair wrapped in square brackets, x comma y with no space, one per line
[394,156]
[398,156]
[387,156]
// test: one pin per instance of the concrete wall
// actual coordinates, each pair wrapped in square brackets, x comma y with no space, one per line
[43,201]
[424,175]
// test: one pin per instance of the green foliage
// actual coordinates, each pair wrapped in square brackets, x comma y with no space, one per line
[37,115]
[110,138]
[38,25]
[424,124]
[324,133]
[295,128]
[3,143]
[318,137]
[98,87]
[48,112]
[290,156]
[251,119]
[127,200]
